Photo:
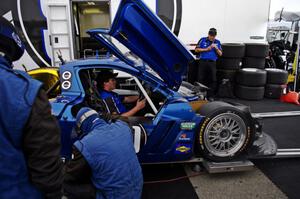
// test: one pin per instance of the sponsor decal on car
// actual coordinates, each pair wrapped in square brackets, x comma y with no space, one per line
[183,148]
[184,137]
[187,125]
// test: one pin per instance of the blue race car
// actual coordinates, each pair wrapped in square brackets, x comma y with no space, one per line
[177,124]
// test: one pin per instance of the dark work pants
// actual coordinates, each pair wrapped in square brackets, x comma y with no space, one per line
[193,72]
[206,74]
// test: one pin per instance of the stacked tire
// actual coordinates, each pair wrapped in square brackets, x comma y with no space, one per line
[255,55]
[229,63]
[276,83]
[250,83]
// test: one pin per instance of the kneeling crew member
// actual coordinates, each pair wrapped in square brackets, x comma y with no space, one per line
[30,164]
[105,154]
[209,48]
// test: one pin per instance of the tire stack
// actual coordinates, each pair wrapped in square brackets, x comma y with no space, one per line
[231,61]
[255,55]
[276,83]
[251,83]
[229,64]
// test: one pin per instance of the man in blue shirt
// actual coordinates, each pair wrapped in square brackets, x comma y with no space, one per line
[106,82]
[208,50]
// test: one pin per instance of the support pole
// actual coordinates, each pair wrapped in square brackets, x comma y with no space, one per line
[297,58]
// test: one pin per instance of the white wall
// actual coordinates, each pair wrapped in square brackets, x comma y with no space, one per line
[235,20]
[115,4]
[288,5]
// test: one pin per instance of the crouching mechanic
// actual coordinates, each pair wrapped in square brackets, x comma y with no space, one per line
[105,155]
[30,164]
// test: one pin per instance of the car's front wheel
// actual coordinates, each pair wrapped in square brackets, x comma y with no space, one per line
[225,133]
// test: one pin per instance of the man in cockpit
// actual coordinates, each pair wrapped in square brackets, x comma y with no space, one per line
[106,83]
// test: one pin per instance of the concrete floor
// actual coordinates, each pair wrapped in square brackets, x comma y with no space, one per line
[241,185]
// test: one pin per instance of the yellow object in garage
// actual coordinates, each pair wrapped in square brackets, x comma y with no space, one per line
[49,77]
[291,77]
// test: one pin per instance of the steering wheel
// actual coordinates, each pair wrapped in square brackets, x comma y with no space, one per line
[148,91]
[141,95]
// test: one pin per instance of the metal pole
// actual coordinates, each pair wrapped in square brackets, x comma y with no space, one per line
[297,58]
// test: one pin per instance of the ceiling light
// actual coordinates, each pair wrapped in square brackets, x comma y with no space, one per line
[90,3]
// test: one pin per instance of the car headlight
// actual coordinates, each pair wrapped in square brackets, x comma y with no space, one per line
[66,75]
[66,85]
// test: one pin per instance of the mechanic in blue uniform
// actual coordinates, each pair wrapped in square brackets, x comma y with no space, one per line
[106,82]
[105,155]
[30,163]
[208,49]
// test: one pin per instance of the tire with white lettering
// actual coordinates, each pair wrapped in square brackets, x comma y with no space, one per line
[226,132]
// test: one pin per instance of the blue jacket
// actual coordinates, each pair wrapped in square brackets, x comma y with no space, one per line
[117,100]
[17,94]
[209,55]
[108,149]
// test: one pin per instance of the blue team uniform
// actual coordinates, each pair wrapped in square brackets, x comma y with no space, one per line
[117,100]
[209,55]
[108,149]
[18,92]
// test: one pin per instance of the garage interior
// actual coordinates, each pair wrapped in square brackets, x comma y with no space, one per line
[88,15]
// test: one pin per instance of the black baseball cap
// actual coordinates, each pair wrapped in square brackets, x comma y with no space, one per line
[212,32]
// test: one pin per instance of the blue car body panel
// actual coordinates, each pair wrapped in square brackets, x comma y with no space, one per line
[142,32]
[166,140]
[171,134]
[136,27]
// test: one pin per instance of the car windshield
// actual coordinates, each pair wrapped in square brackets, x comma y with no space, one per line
[123,49]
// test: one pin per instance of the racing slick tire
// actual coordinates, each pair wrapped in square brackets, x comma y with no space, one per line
[249,93]
[226,74]
[257,50]
[276,76]
[233,50]
[274,91]
[226,132]
[229,63]
[251,77]
[254,62]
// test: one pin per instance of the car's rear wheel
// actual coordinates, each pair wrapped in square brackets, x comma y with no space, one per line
[226,132]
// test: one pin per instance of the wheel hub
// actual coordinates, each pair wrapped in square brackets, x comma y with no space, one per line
[225,134]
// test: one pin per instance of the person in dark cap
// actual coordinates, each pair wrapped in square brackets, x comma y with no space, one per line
[104,154]
[106,82]
[30,163]
[208,50]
